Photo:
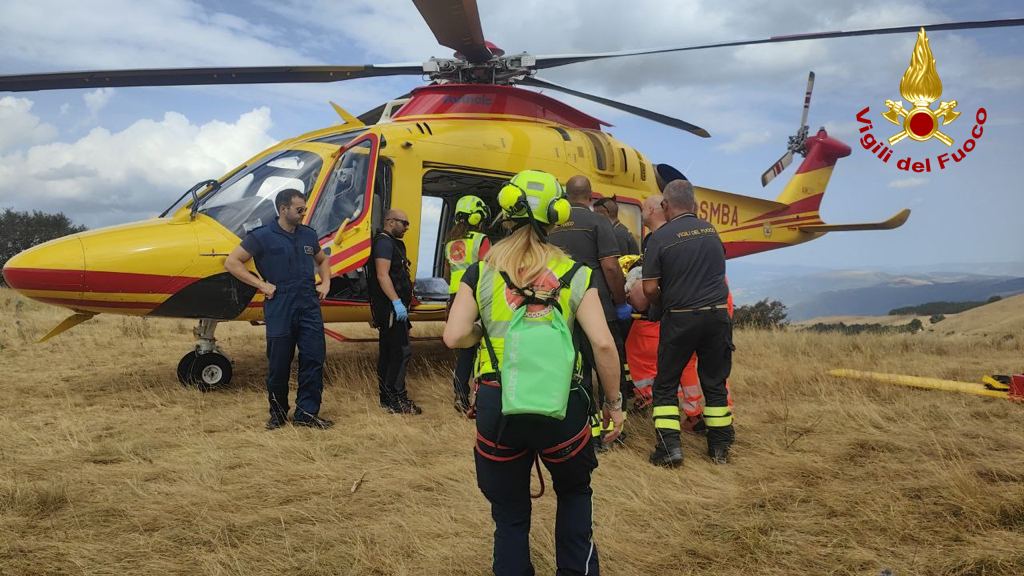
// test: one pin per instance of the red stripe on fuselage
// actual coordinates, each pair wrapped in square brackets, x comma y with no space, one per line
[808,204]
[799,219]
[744,248]
[91,281]
[80,303]
[344,254]
[327,303]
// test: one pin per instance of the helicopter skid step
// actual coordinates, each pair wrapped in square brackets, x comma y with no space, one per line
[345,339]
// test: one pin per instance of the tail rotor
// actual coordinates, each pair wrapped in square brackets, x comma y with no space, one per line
[797,142]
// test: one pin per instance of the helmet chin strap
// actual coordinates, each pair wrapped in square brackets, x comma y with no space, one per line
[541,233]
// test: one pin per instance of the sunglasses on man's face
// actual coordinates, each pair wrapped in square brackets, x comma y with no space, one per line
[402,222]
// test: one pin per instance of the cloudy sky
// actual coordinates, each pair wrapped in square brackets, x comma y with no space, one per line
[110,156]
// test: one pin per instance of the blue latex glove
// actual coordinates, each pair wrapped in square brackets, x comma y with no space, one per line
[401,314]
[624,311]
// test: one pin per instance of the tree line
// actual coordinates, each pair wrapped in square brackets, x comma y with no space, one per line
[20,231]
[941,307]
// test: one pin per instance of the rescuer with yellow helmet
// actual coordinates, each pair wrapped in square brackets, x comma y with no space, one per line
[466,245]
[530,401]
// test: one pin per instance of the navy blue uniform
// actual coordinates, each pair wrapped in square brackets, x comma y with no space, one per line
[293,316]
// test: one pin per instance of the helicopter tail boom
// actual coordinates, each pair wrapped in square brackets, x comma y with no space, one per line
[808,184]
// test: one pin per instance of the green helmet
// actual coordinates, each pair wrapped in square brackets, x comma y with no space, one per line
[536,193]
[474,208]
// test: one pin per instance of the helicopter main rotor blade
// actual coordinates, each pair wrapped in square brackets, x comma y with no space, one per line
[456,24]
[807,99]
[777,168]
[196,76]
[642,112]
[563,59]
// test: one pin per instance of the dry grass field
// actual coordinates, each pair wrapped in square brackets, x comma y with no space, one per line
[108,466]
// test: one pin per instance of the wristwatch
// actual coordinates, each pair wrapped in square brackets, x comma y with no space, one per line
[614,404]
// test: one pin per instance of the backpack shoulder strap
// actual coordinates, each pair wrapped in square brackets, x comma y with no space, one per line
[487,339]
[566,279]
[491,353]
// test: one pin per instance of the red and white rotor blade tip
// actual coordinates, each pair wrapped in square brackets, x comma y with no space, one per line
[776,168]
[807,99]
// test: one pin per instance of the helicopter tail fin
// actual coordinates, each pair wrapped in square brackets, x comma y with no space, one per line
[807,186]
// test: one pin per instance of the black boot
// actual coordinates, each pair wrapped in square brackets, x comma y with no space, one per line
[668,451]
[719,441]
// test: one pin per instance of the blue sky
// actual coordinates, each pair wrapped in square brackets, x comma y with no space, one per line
[111,156]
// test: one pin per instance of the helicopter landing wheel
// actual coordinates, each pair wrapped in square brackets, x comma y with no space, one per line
[204,371]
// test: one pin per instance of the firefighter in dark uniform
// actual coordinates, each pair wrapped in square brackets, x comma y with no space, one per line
[390,297]
[508,444]
[285,252]
[588,238]
[609,208]
[684,272]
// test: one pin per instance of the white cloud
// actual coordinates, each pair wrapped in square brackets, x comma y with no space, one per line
[745,140]
[124,175]
[124,34]
[844,131]
[20,126]
[912,182]
[97,100]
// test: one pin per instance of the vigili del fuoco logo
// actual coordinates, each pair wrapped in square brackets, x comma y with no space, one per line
[921,87]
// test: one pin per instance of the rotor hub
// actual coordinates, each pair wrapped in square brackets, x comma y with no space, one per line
[501,69]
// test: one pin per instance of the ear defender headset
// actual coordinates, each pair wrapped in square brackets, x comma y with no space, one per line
[473,209]
[535,195]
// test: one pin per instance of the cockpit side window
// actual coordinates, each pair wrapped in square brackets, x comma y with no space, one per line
[345,194]
[246,200]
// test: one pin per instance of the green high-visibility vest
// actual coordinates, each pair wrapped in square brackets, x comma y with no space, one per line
[461,254]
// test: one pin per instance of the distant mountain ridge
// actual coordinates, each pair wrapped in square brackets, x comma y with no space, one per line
[810,291]
[882,298]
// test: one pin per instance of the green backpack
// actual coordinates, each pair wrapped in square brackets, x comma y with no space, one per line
[539,360]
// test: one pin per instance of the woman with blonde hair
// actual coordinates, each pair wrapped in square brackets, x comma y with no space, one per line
[530,403]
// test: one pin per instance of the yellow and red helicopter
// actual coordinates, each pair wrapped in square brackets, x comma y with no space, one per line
[468,131]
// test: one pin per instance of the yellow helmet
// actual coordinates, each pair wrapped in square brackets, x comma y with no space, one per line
[474,208]
[537,194]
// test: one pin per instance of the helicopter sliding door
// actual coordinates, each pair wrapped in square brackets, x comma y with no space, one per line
[347,212]
[442,189]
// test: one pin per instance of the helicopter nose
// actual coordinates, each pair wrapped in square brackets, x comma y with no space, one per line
[51,272]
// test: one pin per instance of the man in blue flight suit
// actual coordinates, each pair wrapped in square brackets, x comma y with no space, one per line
[286,252]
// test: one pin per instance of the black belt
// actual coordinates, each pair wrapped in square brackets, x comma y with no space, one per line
[702,308]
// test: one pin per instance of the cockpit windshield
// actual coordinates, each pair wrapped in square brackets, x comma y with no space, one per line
[246,200]
[345,194]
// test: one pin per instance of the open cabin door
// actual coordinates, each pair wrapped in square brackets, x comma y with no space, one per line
[348,211]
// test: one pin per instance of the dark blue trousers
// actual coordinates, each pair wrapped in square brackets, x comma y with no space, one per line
[303,327]
[504,458]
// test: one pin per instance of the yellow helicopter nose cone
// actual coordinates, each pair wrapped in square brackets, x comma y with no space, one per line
[52,270]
